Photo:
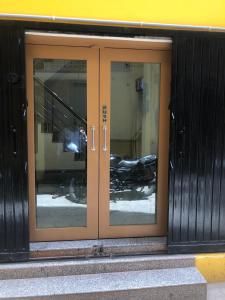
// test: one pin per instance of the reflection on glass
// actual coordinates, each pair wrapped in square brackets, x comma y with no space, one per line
[60,97]
[134,142]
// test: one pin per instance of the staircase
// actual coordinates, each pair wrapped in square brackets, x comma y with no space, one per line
[56,118]
[60,142]
[152,277]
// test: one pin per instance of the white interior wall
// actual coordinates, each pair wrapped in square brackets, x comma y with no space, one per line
[150,109]
[124,104]
[134,116]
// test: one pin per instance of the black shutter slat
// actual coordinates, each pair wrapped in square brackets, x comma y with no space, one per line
[197,184]
[14,240]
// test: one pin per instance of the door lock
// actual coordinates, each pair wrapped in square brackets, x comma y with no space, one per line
[104,113]
[104,119]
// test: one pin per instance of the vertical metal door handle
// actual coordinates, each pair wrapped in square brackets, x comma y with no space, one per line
[93,138]
[104,138]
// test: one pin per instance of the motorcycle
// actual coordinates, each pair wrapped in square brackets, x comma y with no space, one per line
[133,175]
[137,175]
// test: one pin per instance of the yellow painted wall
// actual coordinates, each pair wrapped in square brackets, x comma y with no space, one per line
[191,12]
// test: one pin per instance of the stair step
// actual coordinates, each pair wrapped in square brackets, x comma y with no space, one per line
[176,284]
[93,266]
[100,247]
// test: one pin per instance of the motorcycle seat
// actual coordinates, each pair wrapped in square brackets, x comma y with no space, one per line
[148,158]
[128,163]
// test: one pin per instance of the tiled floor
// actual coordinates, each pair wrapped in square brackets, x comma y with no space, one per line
[62,212]
[216,291]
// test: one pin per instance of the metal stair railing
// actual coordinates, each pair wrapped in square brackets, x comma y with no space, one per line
[59,100]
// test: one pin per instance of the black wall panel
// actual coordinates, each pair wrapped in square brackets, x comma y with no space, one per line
[197,149]
[13,144]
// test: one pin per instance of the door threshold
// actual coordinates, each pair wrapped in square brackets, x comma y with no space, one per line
[98,248]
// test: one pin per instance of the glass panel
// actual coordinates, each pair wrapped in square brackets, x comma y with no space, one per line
[134,142]
[60,95]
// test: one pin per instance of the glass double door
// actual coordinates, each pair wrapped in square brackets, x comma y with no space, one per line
[97,142]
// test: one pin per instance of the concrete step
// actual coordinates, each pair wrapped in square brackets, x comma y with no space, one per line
[93,266]
[163,284]
[100,247]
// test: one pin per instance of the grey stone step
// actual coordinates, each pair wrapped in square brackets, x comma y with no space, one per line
[164,284]
[216,291]
[100,247]
[93,266]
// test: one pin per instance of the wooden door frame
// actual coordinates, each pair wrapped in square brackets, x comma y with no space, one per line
[75,53]
[159,50]
[147,56]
